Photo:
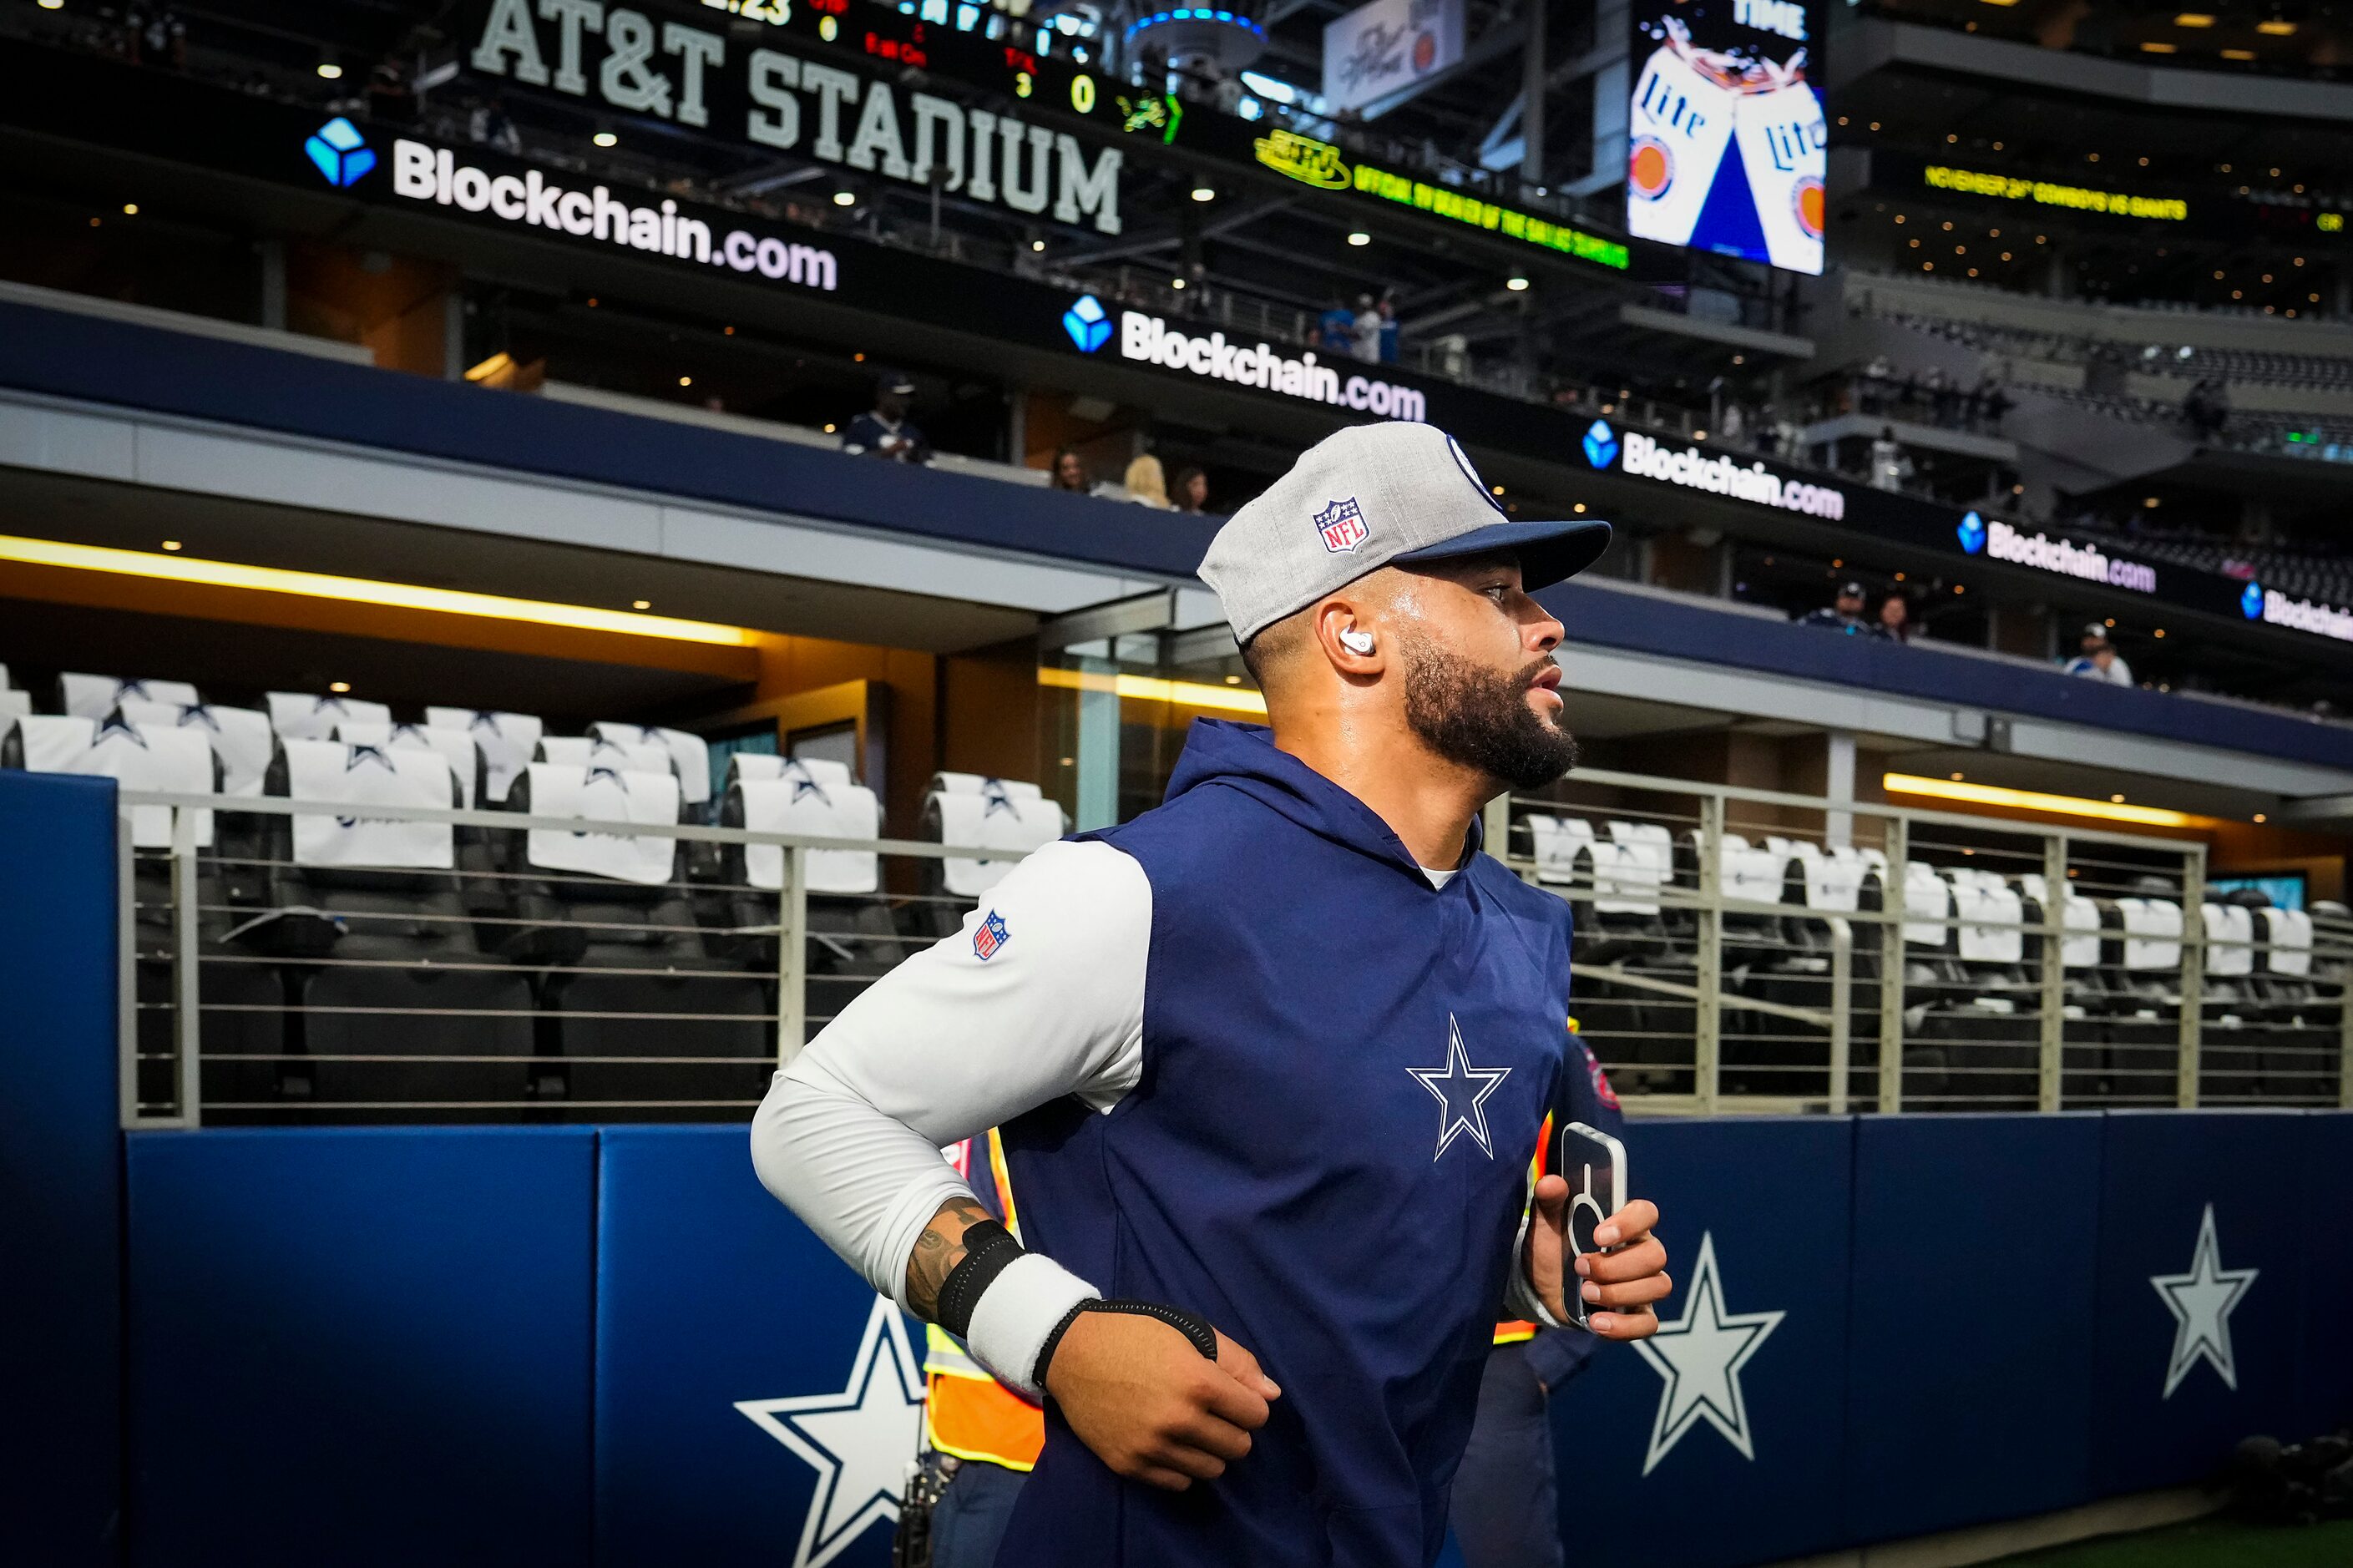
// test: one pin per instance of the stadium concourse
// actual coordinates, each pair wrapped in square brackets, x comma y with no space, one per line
[545,549]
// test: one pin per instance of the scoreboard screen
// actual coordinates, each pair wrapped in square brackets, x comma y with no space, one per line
[889,36]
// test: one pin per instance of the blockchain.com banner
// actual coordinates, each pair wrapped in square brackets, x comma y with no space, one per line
[1725,140]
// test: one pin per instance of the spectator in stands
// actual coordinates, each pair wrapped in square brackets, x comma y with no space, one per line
[1389,330]
[1070,473]
[1365,340]
[1843,615]
[490,126]
[1989,405]
[2207,408]
[1892,622]
[1335,329]
[885,431]
[158,38]
[2099,659]
[1147,482]
[1889,467]
[1191,491]
[388,97]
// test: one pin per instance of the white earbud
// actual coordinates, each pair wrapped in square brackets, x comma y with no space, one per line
[1355,641]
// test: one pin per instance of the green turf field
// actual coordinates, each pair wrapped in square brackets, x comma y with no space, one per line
[2205,1543]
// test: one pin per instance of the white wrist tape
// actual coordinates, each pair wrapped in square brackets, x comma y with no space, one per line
[1020,1309]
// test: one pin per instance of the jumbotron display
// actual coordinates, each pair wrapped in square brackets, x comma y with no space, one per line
[1725,140]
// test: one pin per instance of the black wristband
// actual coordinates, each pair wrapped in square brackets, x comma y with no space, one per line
[988,1251]
[1203,1338]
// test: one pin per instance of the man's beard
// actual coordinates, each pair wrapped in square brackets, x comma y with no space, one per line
[1483,719]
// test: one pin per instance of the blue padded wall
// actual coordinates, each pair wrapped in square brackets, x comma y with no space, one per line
[2160,1172]
[61,1185]
[361,1346]
[2326,1182]
[1649,1461]
[1968,1386]
[710,1295]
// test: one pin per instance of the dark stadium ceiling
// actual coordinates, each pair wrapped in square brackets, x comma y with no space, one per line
[2254,188]
[2282,35]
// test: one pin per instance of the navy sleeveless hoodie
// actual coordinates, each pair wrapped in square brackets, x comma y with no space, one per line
[1345,1074]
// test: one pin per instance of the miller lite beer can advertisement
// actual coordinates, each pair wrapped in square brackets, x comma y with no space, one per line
[1726,147]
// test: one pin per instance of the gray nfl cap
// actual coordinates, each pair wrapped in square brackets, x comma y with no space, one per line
[1393,494]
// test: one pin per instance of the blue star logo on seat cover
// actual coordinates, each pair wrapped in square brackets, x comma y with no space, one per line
[995,797]
[1601,444]
[804,786]
[2251,603]
[1971,533]
[1461,1091]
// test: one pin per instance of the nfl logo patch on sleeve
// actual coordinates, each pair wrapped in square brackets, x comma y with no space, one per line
[989,935]
[1342,524]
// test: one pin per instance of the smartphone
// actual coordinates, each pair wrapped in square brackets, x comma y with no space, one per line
[1594,1165]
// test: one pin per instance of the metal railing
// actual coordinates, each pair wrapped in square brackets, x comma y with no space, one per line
[1708,977]
[1711,977]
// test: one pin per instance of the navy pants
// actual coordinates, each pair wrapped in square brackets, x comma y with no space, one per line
[972,1513]
[1504,1513]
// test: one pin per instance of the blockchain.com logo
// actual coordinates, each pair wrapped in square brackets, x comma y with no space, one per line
[341,153]
[2251,603]
[1087,324]
[1971,533]
[1601,444]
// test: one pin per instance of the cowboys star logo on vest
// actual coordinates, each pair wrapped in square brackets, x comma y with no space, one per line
[1342,524]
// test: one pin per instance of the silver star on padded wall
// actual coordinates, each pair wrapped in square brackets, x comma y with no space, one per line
[858,1441]
[2201,1302]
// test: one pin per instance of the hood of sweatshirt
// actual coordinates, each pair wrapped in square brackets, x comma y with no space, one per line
[1222,754]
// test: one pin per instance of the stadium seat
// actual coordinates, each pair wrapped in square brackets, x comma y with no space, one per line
[239,737]
[508,741]
[1006,815]
[383,935]
[689,754]
[96,696]
[455,747]
[590,752]
[14,704]
[300,716]
[850,935]
[2302,1051]
[625,971]
[2232,1049]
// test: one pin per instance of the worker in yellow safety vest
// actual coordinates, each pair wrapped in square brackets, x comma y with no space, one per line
[990,1434]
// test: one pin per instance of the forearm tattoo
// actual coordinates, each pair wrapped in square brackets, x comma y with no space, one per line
[937,1252]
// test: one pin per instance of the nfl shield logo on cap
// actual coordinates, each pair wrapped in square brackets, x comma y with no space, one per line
[1343,526]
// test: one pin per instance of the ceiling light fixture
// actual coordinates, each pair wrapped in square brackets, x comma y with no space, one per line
[1152,689]
[1360,237]
[363,591]
[2036,800]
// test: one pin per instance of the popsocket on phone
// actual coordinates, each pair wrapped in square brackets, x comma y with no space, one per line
[1594,1165]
